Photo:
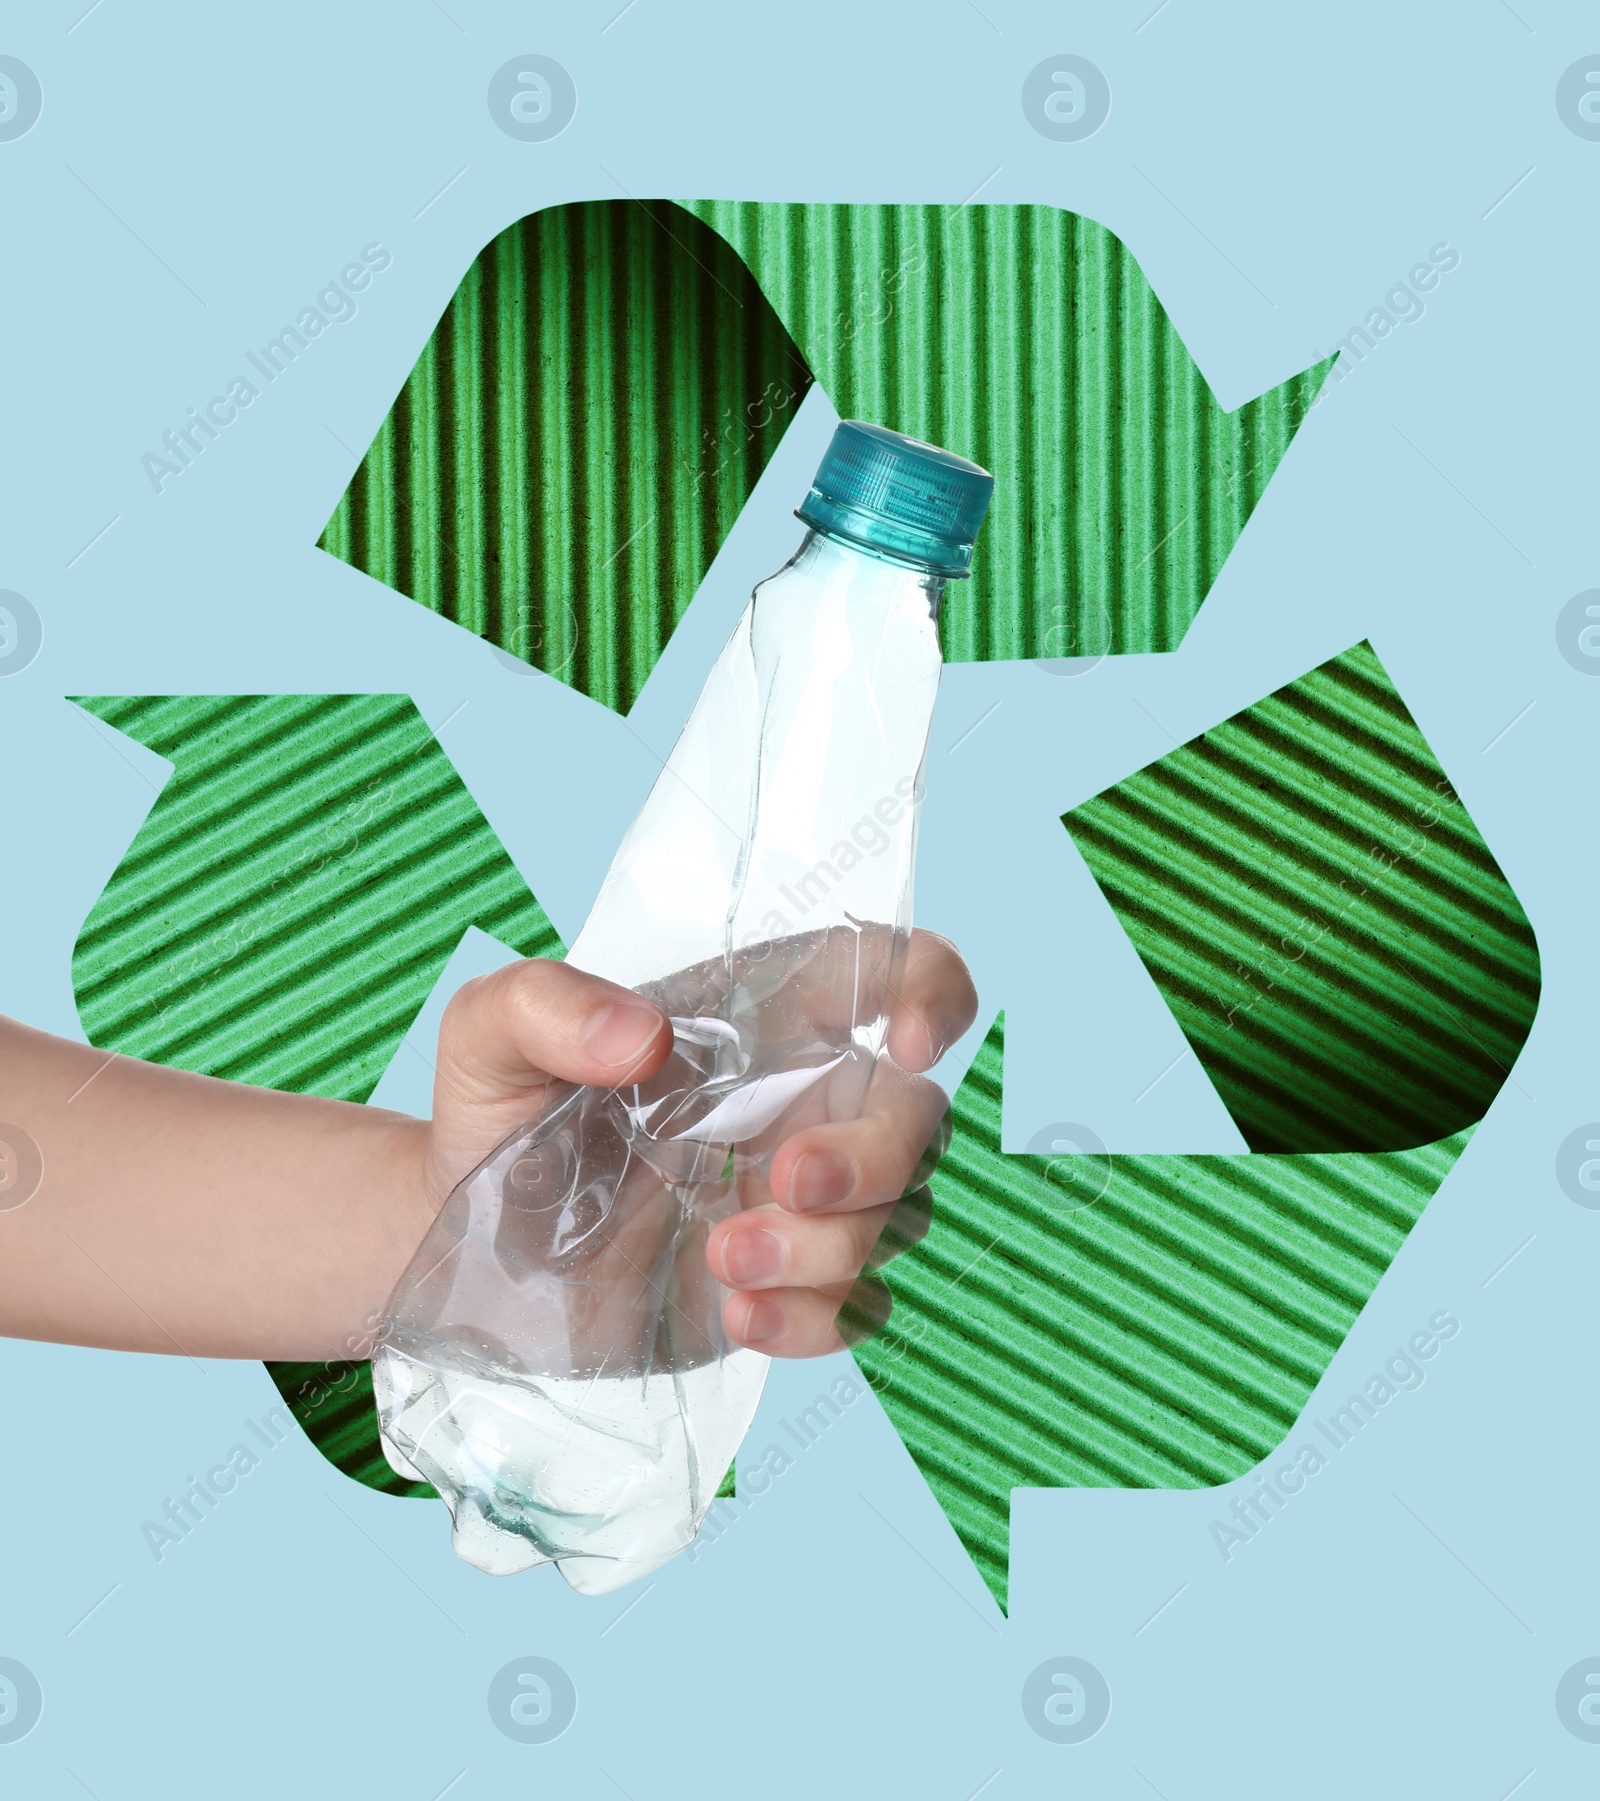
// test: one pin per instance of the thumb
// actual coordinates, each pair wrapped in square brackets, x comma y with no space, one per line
[507,1038]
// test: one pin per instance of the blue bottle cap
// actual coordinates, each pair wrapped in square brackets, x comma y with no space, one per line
[894,494]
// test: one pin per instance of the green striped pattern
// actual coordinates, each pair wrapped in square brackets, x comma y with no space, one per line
[576,440]
[1028,338]
[1165,1336]
[606,386]
[335,1407]
[282,915]
[1356,977]
[1319,911]
[295,892]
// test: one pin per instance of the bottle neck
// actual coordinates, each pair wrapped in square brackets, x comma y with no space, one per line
[820,546]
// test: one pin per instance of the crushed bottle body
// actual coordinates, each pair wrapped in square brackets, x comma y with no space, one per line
[555,1361]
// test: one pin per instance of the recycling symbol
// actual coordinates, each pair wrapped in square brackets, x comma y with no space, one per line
[1301,882]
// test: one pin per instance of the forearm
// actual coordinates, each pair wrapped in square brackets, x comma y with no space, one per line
[183,1215]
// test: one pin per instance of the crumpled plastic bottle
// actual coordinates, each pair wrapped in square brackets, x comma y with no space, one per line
[554,1360]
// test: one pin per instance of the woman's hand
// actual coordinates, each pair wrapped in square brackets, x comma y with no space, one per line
[182,1215]
[790,1260]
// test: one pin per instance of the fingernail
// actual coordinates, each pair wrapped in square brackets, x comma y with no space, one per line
[764,1321]
[936,1046]
[619,1035]
[751,1256]
[821,1179]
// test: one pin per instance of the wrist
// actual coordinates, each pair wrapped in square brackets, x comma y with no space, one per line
[407,1179]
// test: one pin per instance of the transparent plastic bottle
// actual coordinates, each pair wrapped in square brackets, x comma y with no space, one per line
[554,1360]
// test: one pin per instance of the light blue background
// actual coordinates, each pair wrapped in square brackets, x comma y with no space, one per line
[314,1634]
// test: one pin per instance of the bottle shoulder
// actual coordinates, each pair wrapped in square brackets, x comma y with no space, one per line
[827,585]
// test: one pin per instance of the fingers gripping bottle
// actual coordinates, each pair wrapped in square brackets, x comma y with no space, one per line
[554,1360]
